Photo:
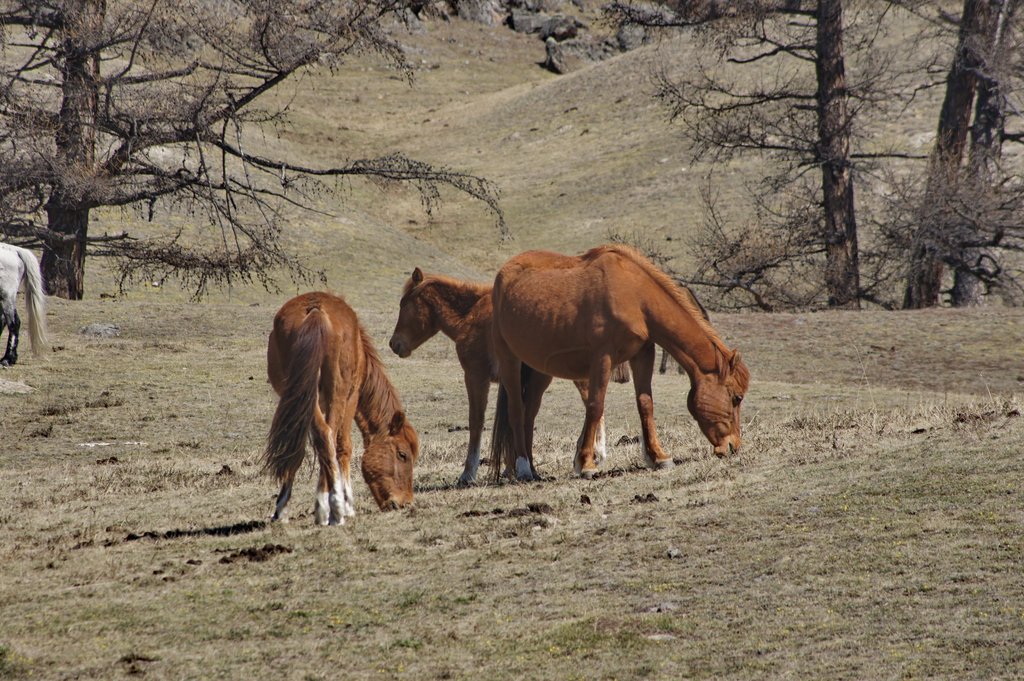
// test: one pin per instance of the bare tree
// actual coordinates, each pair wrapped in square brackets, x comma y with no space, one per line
[969,210]
[778,86]
[155,104]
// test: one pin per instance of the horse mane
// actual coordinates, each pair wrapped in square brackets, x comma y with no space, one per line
[378,399]
[686,299]
[466,293]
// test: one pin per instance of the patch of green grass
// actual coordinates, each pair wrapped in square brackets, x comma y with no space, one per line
[12,665]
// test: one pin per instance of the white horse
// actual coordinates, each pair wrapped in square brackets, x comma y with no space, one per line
[16,264]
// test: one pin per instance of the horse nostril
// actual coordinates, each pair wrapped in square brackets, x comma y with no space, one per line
[732,449]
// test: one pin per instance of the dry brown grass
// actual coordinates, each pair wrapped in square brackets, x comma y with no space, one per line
[870,528]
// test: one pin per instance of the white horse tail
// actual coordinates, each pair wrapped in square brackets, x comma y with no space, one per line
[35,301]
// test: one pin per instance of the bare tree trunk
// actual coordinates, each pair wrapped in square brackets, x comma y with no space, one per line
[926,267]
[842,274]
[988,121]
[63,263]
[986,144]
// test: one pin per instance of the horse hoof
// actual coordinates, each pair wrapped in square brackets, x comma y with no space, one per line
[524,471]
[664,464]
[588,473]
[463,483]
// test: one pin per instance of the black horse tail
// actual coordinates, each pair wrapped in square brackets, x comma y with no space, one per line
[502,439]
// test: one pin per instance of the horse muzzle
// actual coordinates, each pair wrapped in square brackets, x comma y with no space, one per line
[398,347]
[727,448]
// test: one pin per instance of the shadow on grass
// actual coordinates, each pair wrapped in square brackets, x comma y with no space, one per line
[220,531]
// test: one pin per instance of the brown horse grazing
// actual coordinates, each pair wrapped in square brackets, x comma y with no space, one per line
[576,317]
[326,371]
[461,310]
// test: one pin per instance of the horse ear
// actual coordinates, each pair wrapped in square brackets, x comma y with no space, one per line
[417,276]
[728,366]
[734,360]
[397,423]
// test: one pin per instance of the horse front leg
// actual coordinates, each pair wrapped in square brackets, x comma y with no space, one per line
[642,365]
[478,383]
[601,443]
[584,464]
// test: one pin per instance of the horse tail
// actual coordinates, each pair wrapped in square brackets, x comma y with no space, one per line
[502,443]
[294,418]
[620,373]
[35,301]
[501,435]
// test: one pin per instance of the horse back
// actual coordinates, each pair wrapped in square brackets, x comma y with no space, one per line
[342,352]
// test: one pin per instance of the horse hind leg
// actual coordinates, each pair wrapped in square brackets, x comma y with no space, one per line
[330,494]
[534,387]
[280,513]
[13,322]
[343,447]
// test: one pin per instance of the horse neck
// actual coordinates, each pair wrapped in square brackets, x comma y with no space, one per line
[452,302]
[378,400]
[682,331]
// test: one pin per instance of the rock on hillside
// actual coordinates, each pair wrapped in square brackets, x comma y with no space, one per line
[563,27]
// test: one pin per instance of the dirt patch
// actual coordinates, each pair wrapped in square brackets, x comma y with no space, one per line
[538,508]
[256,554]
[221,531]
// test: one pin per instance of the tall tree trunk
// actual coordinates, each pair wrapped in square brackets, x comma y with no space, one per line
[63,263]
[842,273]
[986,142]
[926,267]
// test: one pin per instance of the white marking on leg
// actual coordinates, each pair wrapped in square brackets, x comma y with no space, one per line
[600,447]
[337,501]
[350,500]
[321,514]
[523,471]
[472,466]
[282,501]
[648,459]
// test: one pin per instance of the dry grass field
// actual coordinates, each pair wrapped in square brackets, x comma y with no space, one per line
[872,526]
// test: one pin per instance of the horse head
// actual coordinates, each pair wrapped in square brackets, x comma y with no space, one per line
[714,401]
[388,462]
[416,320]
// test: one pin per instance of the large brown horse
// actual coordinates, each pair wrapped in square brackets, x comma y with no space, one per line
[326,371]
[461,310]
[576,318]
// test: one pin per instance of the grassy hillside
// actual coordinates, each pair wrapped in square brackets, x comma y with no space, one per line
[870,527]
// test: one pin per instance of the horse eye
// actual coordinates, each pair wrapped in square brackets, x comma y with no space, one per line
[403,455]
[736,400]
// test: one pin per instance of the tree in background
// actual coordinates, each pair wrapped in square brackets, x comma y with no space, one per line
[779,87]
[970,210]
[158,104]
